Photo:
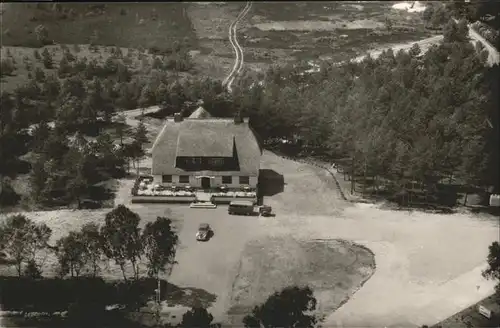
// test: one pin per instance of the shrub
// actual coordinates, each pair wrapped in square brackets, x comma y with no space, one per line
[8,196]
[7,67]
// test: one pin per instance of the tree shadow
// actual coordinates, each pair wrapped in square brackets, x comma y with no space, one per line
[88,298]
[270,182]
[100,193]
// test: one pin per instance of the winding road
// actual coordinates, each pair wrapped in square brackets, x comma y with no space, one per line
[238,62]
[493,55]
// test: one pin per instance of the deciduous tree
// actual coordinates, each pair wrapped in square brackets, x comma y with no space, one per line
[92,241]
[160,243]
[69,251]
[21,239]
[121,238]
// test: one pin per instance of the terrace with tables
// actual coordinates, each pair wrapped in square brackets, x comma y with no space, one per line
[145,191]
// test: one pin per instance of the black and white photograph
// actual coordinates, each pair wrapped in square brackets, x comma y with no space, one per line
[250,164]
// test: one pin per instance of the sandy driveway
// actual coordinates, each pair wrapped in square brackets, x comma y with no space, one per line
[428,265]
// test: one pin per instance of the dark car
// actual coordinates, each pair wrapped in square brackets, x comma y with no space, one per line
[204,232]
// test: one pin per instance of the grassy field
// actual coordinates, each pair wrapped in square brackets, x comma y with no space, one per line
[334,269]
[276,33]
[131,25]
[325,30]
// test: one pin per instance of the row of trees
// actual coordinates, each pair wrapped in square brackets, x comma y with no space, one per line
[120,239]
[400,118]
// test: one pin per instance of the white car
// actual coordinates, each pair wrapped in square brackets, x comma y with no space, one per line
[204,232]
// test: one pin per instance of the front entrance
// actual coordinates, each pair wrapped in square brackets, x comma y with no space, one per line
[205,183]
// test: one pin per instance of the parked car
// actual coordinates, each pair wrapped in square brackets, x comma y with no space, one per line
[265,210]
[204,232]
[243,207]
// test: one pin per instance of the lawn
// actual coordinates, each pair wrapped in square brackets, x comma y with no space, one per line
[334,269]
[130,25]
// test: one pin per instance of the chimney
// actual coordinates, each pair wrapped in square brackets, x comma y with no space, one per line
[238,119]
[177,117]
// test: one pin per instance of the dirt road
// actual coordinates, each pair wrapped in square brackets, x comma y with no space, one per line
[493,55]
[424,45]
[233,38]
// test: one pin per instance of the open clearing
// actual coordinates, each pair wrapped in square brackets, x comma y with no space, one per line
[276,33]
[427,265]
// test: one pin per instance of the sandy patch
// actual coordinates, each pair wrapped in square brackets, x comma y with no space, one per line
[358,7]
[409,6]
[318,25]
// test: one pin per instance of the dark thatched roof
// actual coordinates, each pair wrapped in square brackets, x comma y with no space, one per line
[212,137]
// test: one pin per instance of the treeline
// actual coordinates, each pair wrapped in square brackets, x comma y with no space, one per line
[401,119]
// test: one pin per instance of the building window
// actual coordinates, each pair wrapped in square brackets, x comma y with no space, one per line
[227,179]
[244,180]
[217,161]
[195,160]
[166,178]
[184,179]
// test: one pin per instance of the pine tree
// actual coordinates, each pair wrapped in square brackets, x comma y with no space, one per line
[48,62]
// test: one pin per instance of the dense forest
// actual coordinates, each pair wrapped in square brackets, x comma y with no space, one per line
[400,119]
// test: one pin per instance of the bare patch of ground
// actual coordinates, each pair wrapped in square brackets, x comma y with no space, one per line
[318,25]
[334,269]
